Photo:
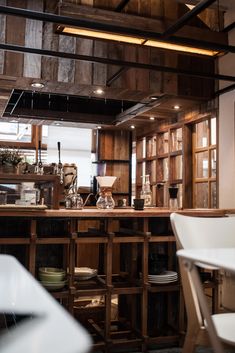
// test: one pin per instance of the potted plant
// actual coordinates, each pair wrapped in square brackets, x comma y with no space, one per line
[9,160]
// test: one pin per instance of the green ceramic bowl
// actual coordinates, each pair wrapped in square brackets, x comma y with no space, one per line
[53,285]
[51,274]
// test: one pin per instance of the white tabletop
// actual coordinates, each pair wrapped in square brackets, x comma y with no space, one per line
[219,257]
[52,329]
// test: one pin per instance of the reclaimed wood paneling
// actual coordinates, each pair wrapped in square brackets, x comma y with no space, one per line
[100,70]
[2,36]
[132,7]
[170,10]
[118,142]
[157,8]
[130,54]
[66,67]
[121,171]
[195,86]
[105,4]
[33,39]
[50,42]
[142,76]
[156,77]
[83,69]
[170,80]
[15,34]
[144,8]
[115,51]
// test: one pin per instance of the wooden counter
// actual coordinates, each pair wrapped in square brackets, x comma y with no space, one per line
[93,212]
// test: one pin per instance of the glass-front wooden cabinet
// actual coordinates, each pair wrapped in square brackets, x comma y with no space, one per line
[182,155]
[160,156]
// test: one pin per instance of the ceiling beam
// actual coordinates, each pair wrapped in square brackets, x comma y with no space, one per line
[186,17]
[116,27]
[108,61]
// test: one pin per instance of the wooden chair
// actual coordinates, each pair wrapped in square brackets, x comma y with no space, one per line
[196,233]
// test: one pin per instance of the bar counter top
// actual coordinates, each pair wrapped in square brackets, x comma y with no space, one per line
[93,212]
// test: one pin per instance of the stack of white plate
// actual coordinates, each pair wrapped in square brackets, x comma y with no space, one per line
[84,273]
[164,277]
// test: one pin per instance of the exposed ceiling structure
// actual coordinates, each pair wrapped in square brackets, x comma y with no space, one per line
[136,81]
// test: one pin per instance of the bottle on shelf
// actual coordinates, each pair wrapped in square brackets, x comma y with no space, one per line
[146,192]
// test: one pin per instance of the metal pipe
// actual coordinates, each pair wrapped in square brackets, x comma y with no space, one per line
[109,27]
[186,17]
[130,64]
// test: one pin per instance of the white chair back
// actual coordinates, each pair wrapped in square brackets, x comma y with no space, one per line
[203,232]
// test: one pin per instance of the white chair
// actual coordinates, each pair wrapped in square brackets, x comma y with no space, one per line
[197,233]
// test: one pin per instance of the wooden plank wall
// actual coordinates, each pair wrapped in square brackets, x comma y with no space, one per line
[76,74]
[41,35]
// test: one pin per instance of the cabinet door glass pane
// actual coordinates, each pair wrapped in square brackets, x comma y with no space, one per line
[213,195]
[201,195]
[176,167]
[213,163]
[202,134]
[162,169]
[213,131]
[163,143]
[202,165]
[151,146]
[165,169]
[153,172]
[140,149]
[176,140]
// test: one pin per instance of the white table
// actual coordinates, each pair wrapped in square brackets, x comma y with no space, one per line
[223,258]
[52,328]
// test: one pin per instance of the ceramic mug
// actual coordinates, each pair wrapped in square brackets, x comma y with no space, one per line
[138,204]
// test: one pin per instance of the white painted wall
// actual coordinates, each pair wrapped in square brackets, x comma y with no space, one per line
[226,141]
[75,148]
[227,151]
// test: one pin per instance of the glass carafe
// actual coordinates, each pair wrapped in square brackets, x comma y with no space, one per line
[101,202]
[105,200]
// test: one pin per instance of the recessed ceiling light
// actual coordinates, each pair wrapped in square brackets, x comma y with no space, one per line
[98,127]
[151,118]
[99,91]
[176,107]
[13,121]
[37,85]
[132,126]
[153,98]
[57,124]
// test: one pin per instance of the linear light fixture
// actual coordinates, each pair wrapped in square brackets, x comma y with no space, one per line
[133,40]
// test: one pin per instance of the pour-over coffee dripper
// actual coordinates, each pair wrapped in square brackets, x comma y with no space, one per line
[105,200]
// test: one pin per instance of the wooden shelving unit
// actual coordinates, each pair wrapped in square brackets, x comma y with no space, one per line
[123,243]
[161,156]
[124,246]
